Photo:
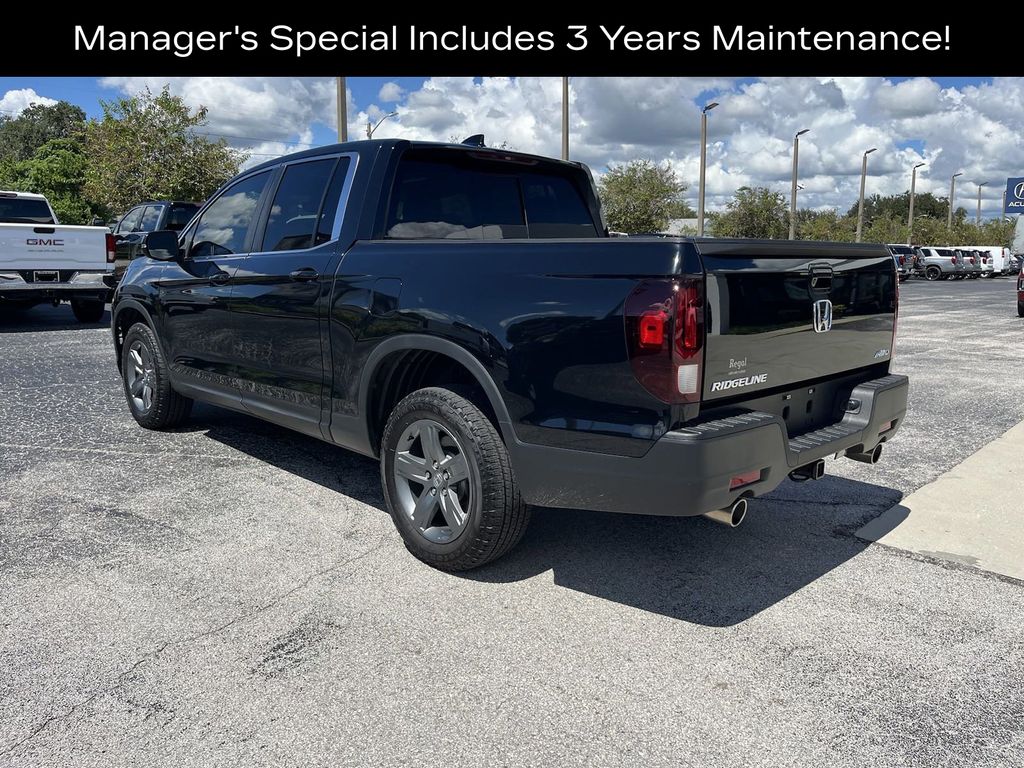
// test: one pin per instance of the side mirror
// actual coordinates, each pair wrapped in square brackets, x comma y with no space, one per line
[98,222]
[161,245]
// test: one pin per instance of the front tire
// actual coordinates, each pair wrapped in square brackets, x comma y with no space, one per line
[147,385]
[87,310]
[448,482]
[933,273]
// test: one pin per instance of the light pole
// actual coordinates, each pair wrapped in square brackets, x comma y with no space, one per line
[952,191]
[370,127]
[792,195]
[703,164]
[913,190]
[977,218]
[565,118]
[342,111]
[860,203]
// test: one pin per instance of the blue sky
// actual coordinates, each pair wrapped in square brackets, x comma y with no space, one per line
[968,125]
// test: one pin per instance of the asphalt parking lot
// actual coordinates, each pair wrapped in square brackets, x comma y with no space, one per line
[233,594]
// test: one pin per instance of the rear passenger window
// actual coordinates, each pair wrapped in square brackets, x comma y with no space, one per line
[555,208]
[443,200]
[295,212]
[224,225]
[329,211]
[150,217]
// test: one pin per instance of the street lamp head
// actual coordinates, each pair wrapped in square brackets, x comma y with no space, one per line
[801,133]
[957,174]
[920,165]
[869,151]
[709,107]
[982,183]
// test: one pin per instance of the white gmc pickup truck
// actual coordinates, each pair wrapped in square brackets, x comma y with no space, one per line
[42,261]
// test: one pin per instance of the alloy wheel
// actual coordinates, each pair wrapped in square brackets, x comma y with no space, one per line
[140,376]
[432,479]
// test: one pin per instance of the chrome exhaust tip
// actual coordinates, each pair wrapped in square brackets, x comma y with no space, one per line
[871,457]
[731,516]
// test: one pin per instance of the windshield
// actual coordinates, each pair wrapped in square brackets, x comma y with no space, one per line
[24,210]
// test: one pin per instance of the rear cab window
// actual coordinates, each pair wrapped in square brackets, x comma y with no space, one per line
[461,195]
[24,210]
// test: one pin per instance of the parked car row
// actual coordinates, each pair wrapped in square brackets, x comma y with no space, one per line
[957,262]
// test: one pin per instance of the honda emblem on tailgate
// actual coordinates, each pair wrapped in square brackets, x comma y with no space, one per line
[822,316]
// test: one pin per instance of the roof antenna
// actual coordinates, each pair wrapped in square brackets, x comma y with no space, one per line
[476,140]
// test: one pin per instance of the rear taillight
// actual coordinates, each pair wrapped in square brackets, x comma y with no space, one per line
[111,249]
[953,260]
[902,261]
[665,335]
[895,321]
[973,261]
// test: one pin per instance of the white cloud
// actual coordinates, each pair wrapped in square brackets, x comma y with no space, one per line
[971,129]
[911,98]
[390,92]
[15,102]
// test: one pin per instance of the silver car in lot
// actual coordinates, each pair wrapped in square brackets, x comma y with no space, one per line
[939,263]
[971,261]
[903,256]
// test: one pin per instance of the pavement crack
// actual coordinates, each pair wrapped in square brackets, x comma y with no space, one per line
[119,681]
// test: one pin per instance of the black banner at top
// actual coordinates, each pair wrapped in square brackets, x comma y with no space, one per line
[582,43]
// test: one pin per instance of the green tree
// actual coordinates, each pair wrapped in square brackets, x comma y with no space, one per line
[753,212]
[641,196]
[21,136]
[146,147]
[898,207]
[886,229]
[57,170]
[824,226]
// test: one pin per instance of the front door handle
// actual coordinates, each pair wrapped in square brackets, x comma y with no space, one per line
[304,275]
[219,278]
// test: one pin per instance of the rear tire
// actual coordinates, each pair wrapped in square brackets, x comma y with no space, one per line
[147,385]
[448,482]
[933,273]
[88,310]
[1020,309]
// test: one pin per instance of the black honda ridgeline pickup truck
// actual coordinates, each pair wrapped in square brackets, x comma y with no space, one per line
[462,314]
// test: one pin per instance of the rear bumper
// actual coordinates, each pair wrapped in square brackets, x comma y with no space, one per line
[84,285]
[688,471]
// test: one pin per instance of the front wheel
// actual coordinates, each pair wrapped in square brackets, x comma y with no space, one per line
[87,310]
[147,385]
[448,482]
[933,273]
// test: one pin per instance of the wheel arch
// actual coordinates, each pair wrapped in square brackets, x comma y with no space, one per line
[382,384]
[127,313]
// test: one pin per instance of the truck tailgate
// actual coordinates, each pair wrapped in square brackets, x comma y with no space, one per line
[782,313]
[53,247]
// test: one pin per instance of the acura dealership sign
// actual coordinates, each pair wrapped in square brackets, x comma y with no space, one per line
[1014,196]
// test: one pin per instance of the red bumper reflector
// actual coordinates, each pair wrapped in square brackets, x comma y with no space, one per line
[886,427]
[745,479]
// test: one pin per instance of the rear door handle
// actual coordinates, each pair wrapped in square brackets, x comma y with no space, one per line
[304,275]
[219,278]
